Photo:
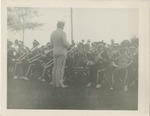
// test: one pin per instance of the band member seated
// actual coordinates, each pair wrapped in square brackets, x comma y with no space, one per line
[103,64]
[133,68]
[114,57]
[45,71]
[118,63]
[10,56]
[97,64]
[122,65]
[38,66]
[17,64]
[27,64]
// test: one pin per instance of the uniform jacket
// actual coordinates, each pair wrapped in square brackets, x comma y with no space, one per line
[59,42]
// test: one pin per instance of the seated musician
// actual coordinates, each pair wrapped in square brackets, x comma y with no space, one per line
[97,64]
[124,62]
[70,63]
[114,57]
[26,65]
[38,66]
[133,68]
[17,64]
[103,64]
[10,57]
[45,74]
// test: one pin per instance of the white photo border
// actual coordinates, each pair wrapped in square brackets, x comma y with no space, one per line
[144,43]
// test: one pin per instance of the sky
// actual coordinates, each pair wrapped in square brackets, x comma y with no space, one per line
[95,24]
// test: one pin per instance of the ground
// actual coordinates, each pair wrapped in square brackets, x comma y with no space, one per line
[34,94]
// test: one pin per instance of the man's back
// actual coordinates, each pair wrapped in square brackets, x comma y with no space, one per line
[59,42]
[58,39]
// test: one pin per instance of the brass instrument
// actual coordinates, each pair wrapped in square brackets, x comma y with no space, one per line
[26,54]
[32,49]
[47,51]
[49,63]
[70,49]
[34,58]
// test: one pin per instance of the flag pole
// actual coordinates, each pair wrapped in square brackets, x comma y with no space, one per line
[71,25]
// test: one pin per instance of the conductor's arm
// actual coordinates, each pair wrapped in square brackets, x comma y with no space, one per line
[65,42]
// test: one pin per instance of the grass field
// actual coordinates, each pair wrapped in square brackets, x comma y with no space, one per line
[34,94]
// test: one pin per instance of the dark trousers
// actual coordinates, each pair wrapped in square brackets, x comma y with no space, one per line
[18,69]
[25,68]
[92,74]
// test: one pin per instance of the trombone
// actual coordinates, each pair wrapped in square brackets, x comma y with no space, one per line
[49,63]
[26,54]
[34,58]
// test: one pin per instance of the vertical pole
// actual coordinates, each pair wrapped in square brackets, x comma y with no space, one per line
[23,24]
[23,34]
[71,26]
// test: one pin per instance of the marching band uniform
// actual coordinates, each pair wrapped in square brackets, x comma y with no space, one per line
[122,66]
[26,66]
[98,61]
[114,57]
[18,65]
[103,65]
[10,56]
[39,66]
[133,68]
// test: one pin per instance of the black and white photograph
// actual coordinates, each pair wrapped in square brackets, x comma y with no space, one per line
[74,58]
